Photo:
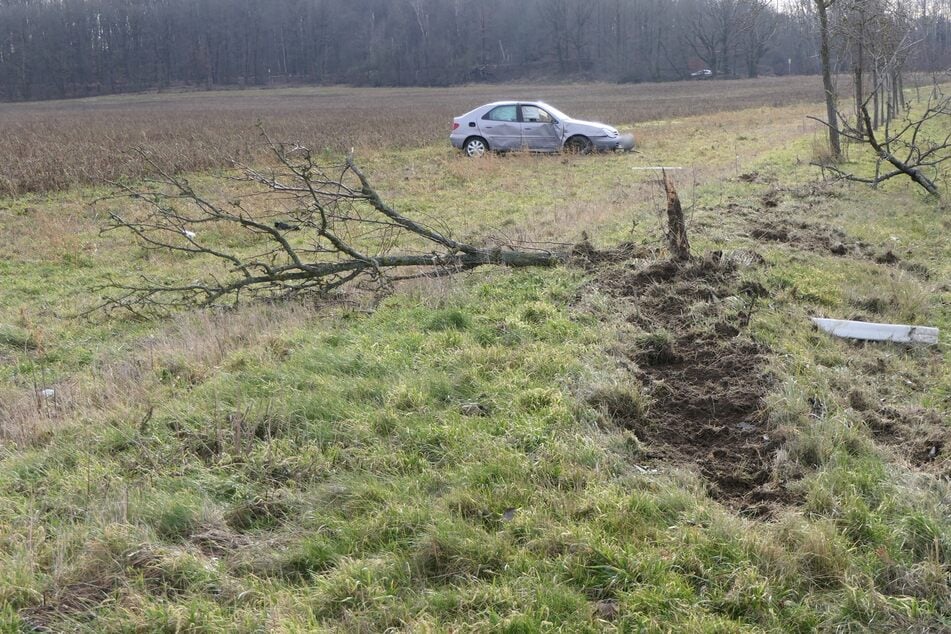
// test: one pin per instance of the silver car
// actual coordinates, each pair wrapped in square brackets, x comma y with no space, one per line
[531,125]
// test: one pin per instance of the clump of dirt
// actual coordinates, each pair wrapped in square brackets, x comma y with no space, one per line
[768,225]
[748,177]
[809,236]
[887,258]
[915,268]
[771,199]
[920,435]
[705,382]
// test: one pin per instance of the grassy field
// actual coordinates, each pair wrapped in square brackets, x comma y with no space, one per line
[54,145]
[622,445]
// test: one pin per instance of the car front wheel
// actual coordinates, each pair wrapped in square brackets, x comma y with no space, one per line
[579,145]
[475,147]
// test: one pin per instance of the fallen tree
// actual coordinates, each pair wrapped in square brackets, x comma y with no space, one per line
[303,227]
[310,227]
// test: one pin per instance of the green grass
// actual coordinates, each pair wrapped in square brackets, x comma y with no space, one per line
[286,468]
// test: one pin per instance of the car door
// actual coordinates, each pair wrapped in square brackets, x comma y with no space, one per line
[541,132]
[500,127]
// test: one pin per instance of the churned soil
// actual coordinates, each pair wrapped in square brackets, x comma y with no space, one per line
[704,377]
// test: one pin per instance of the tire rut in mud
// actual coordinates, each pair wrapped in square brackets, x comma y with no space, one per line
[705,379]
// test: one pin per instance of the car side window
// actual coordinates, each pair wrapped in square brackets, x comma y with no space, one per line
[502,113]
[534,114]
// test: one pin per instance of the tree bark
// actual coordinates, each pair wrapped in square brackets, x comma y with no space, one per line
[835,144]
[677,240]
[858,72]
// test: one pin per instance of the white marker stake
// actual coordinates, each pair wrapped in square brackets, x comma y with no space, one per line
[877,332]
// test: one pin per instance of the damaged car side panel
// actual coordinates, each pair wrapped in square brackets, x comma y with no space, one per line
[534,126]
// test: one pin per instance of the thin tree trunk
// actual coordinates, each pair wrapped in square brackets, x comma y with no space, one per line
[835,144]
[876,99]
[901,90]
[889,97]
[896,93]
[858,72]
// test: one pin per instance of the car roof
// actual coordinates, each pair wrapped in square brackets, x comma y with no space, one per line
[512,102]
[507,102]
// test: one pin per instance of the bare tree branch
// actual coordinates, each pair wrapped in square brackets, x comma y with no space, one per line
[306,227]
[922,155]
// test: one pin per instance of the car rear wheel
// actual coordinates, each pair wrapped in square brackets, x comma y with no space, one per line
[579,145]
[475,147]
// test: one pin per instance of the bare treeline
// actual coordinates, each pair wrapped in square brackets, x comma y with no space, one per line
[64,48]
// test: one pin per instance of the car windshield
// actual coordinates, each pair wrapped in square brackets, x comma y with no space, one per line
[555,112]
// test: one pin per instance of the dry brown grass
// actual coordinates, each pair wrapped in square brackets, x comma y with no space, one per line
[54,145]
[127,386]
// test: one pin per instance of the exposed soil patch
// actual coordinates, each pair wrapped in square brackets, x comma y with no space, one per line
[705,380]
[920,435]
[768,225]
[808,236]
[821,238]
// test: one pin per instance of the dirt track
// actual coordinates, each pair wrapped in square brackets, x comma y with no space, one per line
[706,380]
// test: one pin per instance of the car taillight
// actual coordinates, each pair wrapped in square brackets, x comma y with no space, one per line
[455,125]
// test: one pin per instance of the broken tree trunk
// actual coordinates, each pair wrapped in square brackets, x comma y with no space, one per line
[676,227]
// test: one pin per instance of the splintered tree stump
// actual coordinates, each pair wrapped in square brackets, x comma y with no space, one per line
[676,227]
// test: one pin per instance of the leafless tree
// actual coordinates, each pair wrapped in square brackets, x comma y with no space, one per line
[854,29]
[759,28]
[72,48]
[835,143]
[906,149]
[891,44]
[721,33]
[878,36]
[881,33]
[712,31]
[305,226]
[567,23]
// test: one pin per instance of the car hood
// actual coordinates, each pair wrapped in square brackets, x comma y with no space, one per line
[592,128]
